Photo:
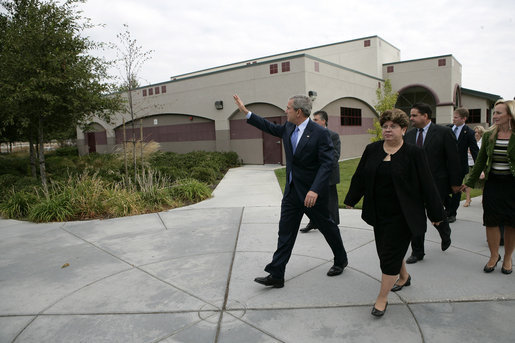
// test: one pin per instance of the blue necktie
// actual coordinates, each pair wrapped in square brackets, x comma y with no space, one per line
[293,140]
[456,132]
[294,136]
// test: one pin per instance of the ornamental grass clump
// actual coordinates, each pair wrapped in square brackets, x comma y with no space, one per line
[190,190]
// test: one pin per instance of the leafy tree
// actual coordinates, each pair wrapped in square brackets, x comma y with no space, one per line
[48,82]
[386,100]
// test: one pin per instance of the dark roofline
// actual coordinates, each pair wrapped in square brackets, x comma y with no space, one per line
[264,62]
[420,59]
[283,53]
[492,97]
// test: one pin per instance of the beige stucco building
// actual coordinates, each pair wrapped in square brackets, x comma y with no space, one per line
[195,111]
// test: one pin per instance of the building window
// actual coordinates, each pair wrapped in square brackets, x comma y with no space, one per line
[317,67]
[474,116]
[156,90]
[273,68]
[350,116]
[285,66]
[144,92]
[151,91]
[488,116]
[366,43]
[163,89]
[389,69]
[441,62]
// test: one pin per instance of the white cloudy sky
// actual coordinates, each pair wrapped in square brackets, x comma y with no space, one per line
[191,35]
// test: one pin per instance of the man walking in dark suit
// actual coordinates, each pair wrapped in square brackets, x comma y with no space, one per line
[466,140]
[309,159]
[439,143]
[321,118]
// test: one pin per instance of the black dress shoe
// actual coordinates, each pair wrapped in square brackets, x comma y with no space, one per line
[506,271]
[378,313]
[337,270]
[446,244]
[488,269]
[308,228]
[414,259]
[397,287]
[451,219]
[270,281]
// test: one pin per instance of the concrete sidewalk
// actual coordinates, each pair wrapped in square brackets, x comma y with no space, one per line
[186,275]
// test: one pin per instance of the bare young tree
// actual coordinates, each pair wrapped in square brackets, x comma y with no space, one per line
[130,57]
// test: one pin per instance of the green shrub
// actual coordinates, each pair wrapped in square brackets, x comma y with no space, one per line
[67,151]
[190,190]
[203,174]
[172,173]
[27,184]
[120,202]
[15,165]
[7,181]
[60,166]
[17,204]
[54,208]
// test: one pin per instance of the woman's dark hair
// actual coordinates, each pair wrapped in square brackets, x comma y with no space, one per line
[396,116]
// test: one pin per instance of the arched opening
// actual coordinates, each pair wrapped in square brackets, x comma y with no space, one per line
[95,138]
[413,94]
[179,133]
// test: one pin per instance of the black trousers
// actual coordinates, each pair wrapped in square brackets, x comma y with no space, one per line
[454,201]
[334,210]
[292,210]
[417,241]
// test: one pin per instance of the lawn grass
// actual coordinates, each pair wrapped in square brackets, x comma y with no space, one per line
[347,169]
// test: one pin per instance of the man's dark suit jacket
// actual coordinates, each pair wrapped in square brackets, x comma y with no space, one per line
[442,155]
[334,179]
[313,159]
[412,181]
[466,141]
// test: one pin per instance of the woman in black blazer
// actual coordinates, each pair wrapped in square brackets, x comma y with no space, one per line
[395,179]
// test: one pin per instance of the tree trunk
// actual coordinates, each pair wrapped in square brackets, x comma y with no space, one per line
[125,155]
[133,130]
[42,169]
[141,144]
[33,168]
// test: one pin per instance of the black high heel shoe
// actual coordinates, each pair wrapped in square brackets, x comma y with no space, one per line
[378,313]
[488,269]
[397,287]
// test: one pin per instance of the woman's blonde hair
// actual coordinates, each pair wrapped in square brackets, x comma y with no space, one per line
[510,107]
[479,129]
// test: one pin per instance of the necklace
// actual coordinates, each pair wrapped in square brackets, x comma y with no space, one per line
[390,150]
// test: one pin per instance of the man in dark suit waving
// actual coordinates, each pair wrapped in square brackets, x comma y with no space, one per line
[309,159]
[439,143]
[466,140]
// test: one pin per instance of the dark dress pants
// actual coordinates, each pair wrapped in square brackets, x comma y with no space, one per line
[334,210]
[292,210]
[454,201]
[417,241]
